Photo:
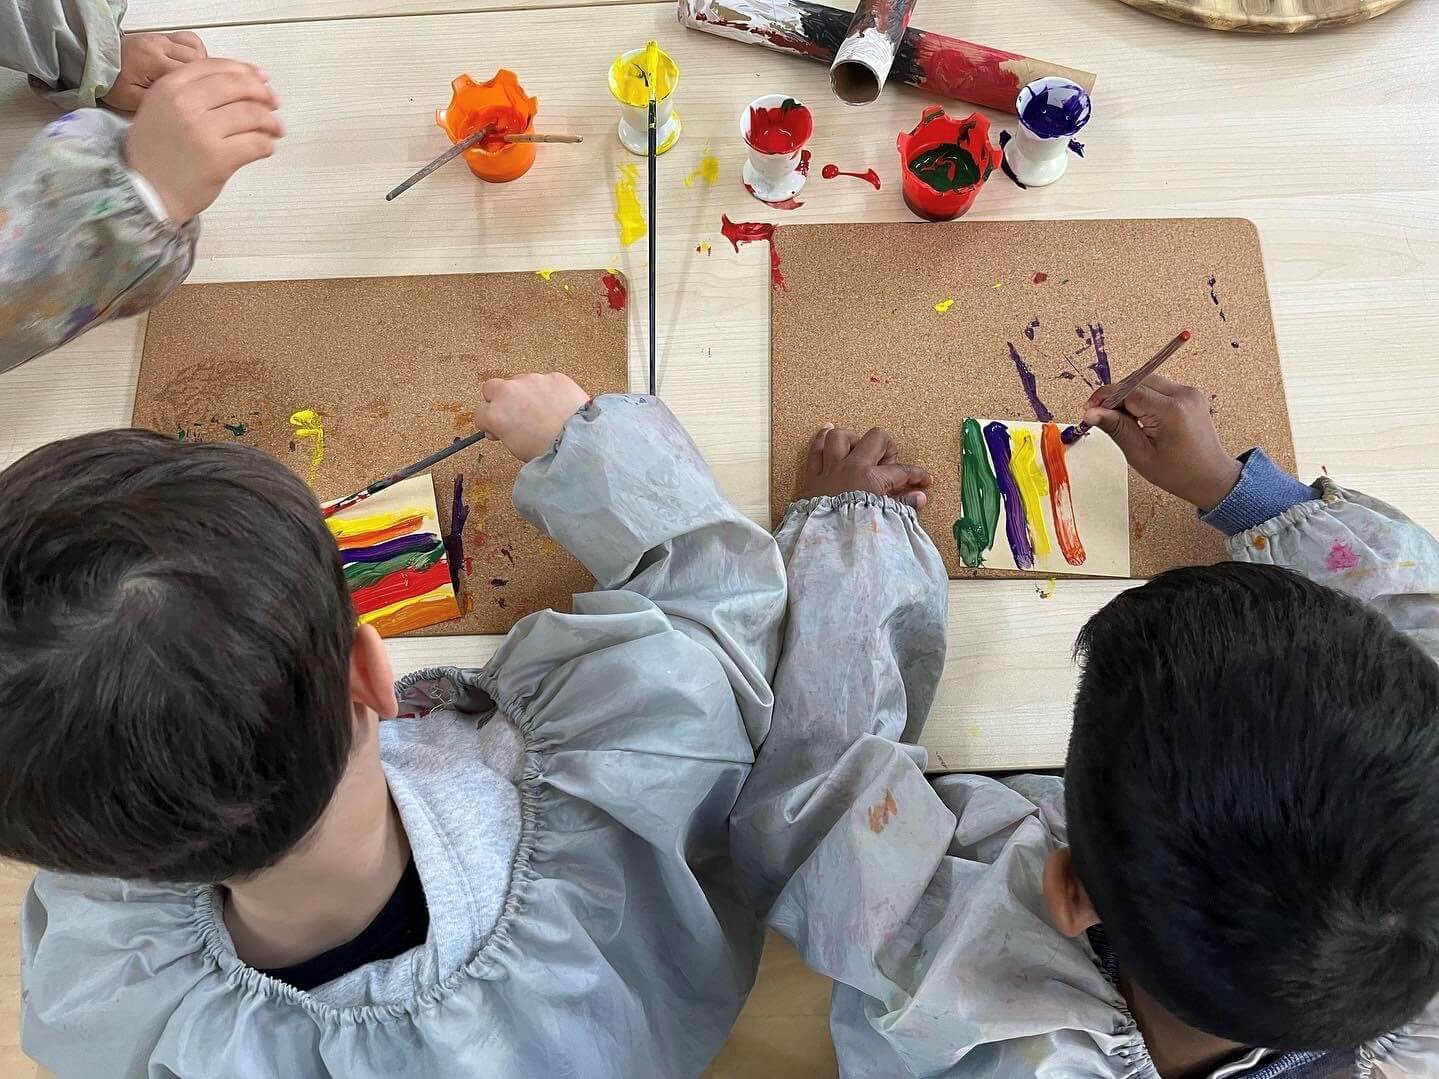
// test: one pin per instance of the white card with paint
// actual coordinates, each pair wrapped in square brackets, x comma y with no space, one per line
[1086,533]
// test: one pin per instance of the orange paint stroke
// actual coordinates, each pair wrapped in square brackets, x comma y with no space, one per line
[1060,500]
[378,532]
[881,813]
[438,606]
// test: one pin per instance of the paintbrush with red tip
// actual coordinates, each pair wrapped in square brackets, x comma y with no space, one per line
[1125,386]
[403,474]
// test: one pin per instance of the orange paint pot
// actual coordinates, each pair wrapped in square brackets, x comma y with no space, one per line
[944,163]
[500,101]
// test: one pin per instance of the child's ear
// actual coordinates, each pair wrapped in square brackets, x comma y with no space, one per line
[372,680]
[1070,910]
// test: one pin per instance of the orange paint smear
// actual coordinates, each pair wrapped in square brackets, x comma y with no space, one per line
[403,527]
[416,615]
[401,585]
[1060,500]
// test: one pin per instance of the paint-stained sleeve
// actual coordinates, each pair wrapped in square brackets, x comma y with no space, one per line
[78,244]
[69,48]
[861,659]
[626,491]
[1359,545]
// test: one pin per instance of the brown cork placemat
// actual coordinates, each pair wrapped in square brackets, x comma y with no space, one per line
[856,340]
[393,366]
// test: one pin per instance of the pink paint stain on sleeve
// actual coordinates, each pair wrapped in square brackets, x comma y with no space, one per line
[1341,557]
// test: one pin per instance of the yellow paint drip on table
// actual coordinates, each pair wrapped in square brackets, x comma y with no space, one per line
[708,170]
[1033,486]
[628,211]
[546,274]
[943,306]
[309,426]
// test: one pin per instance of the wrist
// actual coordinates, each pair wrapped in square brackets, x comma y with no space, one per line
[1217,486]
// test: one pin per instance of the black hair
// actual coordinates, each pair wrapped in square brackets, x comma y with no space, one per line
[1252,794]
[175,637]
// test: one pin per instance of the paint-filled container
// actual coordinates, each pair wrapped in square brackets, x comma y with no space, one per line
[630,89]
[1051,112]
[775,128]
[500,101]
[945,162]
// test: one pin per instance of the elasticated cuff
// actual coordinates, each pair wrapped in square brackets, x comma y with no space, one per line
[1264,490]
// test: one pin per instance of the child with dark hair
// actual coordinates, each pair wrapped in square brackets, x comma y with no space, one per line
[99,215]
[1237,875]
[250,867]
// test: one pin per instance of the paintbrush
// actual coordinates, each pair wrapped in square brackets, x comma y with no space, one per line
[1125,386]
[405,473]
[449,155]
[544,138]
[652,79]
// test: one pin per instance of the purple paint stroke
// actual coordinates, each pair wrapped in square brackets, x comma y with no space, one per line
[1076,147]
[455,538]
[1031,387]
[1214,295]
[1070,375]
[380,552]
[1056,119]
[1029,330]
[1100,366]
[1016,526]
[1004,137]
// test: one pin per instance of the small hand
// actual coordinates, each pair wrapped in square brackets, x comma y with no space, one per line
[528,412]
[145,59]
[1168,437]
[840,461]
[196,127]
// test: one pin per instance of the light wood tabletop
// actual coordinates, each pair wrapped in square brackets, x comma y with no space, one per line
[1323,140]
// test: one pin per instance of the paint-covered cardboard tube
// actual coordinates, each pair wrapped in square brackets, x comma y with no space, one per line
[943,66]
[863,59]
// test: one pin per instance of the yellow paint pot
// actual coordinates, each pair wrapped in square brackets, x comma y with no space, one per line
[627,84]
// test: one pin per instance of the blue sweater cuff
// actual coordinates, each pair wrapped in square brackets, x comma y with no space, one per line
[1264,490]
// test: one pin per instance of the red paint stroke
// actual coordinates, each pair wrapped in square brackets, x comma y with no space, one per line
[1340,557]
[406,584]
[748,232]
[469,565]
[869,176]
[961,69]
[502,603]
[1041,278]
[782,204]
[782,129]
[499,582]
[804,159]
[1060,500]
[615,292]
[402,527]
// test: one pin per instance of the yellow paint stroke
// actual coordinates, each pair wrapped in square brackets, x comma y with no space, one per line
[546,274]
[628,211]
[943,306]
[613,271]
[1046,590]
[309,426]
[703,247]
[997,284]
[414,612]
[343,526]
[708,170]
[1033,487]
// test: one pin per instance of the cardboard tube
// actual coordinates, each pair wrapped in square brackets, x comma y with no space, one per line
[941,65]
[864,57]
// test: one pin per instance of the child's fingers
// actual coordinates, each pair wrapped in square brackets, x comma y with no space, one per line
[815,461]
[226,88]
[837,444]
[1123,429]
[873,447]
[1146,402]
[241,116]
[901,479]
[1166,386]
[917,500]
[187,44]
[240,150]
[212,66]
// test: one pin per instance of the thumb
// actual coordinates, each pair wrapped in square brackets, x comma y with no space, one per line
[898,479]
[1124,430]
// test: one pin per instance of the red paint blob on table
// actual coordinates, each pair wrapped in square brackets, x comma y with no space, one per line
[869,176]
[748,232]
[1185,335]
[780,130]
[1041,278]
[615,292]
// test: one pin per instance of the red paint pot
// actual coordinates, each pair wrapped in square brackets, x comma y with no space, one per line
[944,162]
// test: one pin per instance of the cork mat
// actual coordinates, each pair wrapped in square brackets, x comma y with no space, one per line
[392,365]
[864,335]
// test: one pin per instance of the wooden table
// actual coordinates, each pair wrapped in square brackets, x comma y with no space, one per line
[1323,140]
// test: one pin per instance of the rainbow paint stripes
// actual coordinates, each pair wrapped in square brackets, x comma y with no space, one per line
[1004,473]
[394,558]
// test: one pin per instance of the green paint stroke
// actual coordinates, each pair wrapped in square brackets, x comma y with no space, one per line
[237,429]
[979,498]
[363,574]
[946,168]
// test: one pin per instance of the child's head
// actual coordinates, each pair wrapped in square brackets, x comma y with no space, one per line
[1253,805]
[178,659]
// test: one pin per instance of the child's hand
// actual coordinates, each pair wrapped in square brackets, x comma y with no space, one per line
[841,461]
[1168,437]
[196,127]
[527,413]
[145,59]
